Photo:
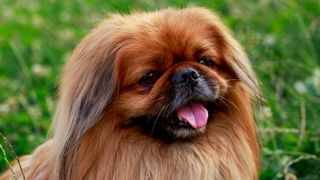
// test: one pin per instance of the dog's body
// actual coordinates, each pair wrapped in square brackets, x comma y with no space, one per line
[102,125]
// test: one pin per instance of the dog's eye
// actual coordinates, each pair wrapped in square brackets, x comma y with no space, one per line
[207,61]
[150,78]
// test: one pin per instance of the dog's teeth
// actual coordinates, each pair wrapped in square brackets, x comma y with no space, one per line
[182,119]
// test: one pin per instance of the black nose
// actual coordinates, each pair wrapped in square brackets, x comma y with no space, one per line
[188,75]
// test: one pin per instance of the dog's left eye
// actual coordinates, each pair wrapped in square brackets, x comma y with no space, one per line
[150,78]
[207,61]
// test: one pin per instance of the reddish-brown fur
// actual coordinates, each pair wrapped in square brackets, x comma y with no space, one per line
[99,95]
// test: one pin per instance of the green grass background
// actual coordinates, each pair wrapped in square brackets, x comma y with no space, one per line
[282,39]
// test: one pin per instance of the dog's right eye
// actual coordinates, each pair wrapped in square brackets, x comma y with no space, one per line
[150,78]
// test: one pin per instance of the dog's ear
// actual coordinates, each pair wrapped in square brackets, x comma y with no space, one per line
[238,62]
[87,88]
[233,54]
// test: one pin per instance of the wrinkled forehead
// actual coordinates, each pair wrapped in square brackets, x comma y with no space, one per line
[166,43]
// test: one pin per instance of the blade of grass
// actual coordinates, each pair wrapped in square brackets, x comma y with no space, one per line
[15,155]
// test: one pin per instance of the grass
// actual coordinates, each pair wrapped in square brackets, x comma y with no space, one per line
[282,39]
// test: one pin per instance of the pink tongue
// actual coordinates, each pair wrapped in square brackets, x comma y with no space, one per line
[195,113]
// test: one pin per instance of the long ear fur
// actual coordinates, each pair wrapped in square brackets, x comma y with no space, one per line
[87,89]
[233,53]
[237,59]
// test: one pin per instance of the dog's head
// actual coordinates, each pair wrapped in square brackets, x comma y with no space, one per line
[162,71]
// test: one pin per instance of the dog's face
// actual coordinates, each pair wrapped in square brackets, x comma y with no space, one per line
[166,73]
[171,76]
[172,73]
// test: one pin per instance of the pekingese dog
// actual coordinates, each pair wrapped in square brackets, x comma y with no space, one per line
[161,95]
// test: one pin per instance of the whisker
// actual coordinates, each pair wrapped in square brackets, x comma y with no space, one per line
[158,115]
[224,102]
[224,99]
[232,80]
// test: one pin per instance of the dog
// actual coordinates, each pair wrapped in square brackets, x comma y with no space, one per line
[153,95]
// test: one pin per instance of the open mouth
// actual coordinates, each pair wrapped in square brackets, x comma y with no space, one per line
[193,114]
[184,122]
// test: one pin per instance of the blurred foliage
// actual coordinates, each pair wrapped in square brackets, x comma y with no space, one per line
[282,39]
